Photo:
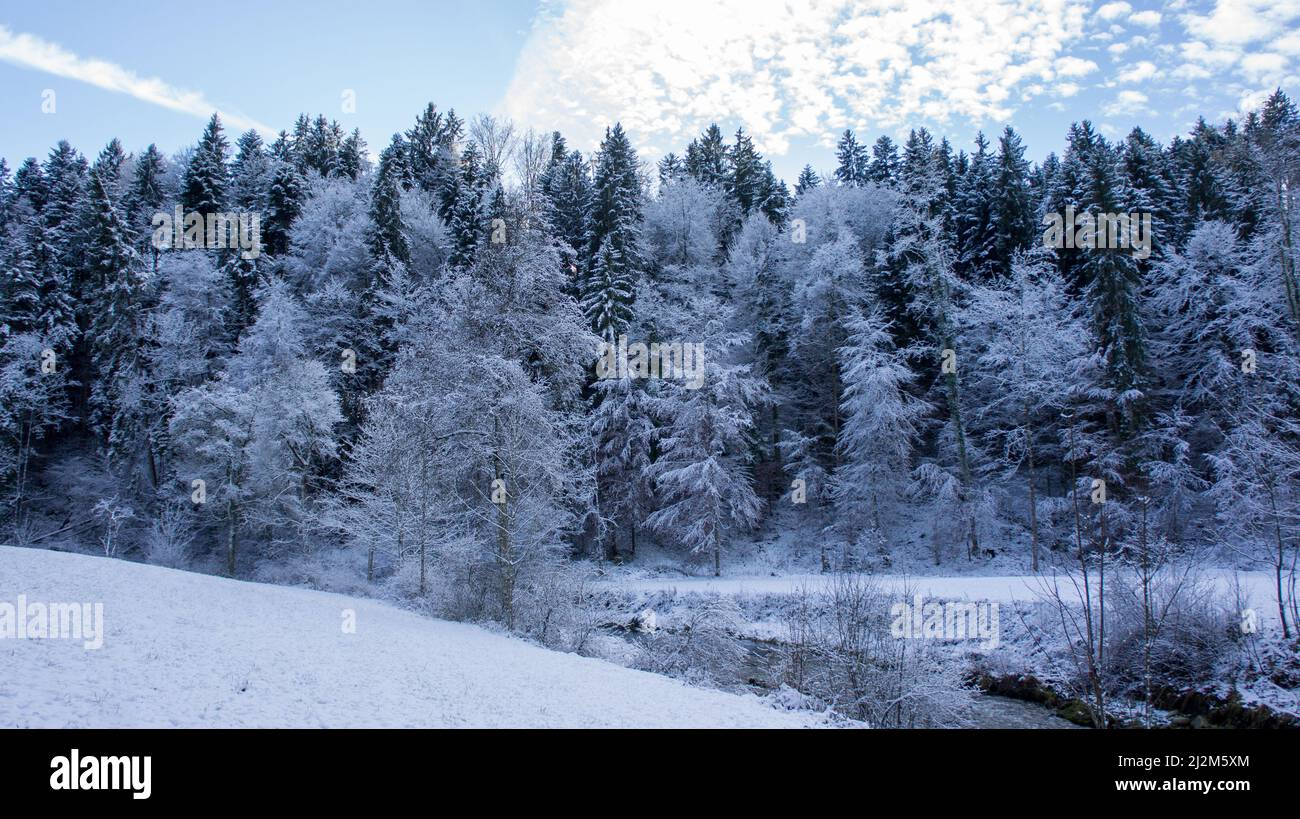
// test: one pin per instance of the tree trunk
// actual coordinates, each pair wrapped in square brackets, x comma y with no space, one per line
[1280,563]
[232,512]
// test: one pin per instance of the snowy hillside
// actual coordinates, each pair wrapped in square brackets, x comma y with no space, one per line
[185,649]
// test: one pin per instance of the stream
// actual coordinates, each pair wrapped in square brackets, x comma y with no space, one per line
[760,673]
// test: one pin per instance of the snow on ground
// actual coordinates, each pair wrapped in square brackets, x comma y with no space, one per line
[184,649]
[1257,586]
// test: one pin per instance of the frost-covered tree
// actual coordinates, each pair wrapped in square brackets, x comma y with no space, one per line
[33,402]
[615,237]
[879,428]
[262,432]
[624,435]
[1024,340]
[853,167]
[702,473]
[207,179]
[808,179]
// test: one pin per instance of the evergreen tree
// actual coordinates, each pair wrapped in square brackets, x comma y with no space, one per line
[250,174]
[808,179]
[615,237]
[853,162]
[145,198]
[206,178]
[671,169]
[352,156]
[706,158]
[118,323]
[1113,284]
[1011,206]
[880,424]
[284,200]
[745,183]
[884,166]
[973,212]
[567,189]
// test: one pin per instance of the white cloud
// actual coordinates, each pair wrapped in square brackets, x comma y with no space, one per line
[1263,67]
[1238,22]
[1126,102]
[1138,72]
[785,71]
[30,51]
[1191,71]
[1113,11]
[1074,67]
[1146,18]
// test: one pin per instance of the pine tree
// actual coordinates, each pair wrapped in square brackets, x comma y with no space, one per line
[808,179]
[774,196]
[702,472]
[206,178]
[615,237]
[973,211]
[852,158]
[284,201]
[623,431]
[1011,206]
[706,158]
[1113,284]
[144,199]
[1200,176]
[118,322]
[431,145]
[1150,185]
[468,221]
[567,188]
[884,166]
[386,238]
[671,169]
[880,424]
[352,160]
[922,260]
[250,174]
[607,297]
[745,182]
[6,195]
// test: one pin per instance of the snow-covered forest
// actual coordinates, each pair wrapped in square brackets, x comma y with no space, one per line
[395,376]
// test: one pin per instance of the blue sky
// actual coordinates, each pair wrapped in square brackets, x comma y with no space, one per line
[794,74]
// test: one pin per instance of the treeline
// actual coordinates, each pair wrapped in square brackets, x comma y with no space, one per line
[406,369]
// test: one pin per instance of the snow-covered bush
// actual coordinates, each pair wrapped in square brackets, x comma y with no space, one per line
[170,535]
[1181,633]
[842,652]
[703,648]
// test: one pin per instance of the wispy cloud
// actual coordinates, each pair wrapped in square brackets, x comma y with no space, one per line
[30,51]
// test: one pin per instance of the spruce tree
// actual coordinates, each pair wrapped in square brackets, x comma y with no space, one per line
[615,237]
[808,179]
[852,158]
[206,178]
[706,159]
[884,166]
[1011,207]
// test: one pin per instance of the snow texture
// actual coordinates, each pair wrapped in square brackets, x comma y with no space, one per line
[190,650]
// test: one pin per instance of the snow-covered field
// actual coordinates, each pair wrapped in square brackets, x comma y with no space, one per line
[184,649]
[1257,586]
